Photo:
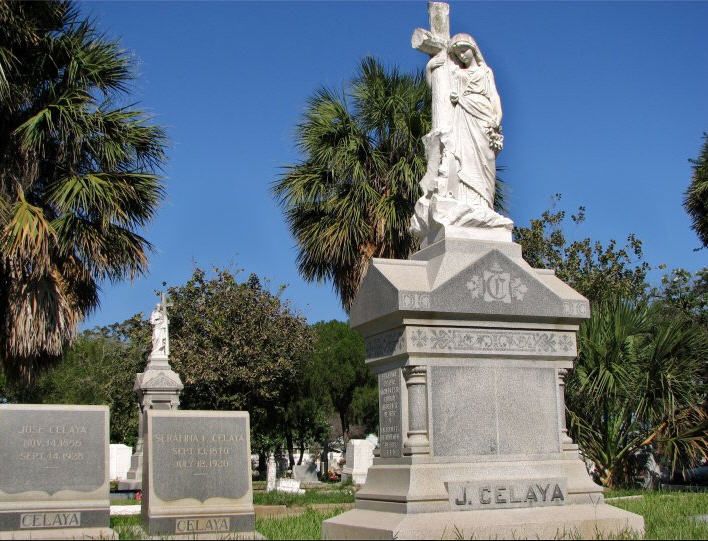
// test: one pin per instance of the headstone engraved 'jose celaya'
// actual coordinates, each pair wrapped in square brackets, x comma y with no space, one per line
[197,478]
[54,472]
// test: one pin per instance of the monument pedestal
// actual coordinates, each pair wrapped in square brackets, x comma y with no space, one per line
[566,522]
[471,346]
[67,533]
[157,388]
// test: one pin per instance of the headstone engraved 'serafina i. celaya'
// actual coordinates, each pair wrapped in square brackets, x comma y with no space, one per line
[197,475]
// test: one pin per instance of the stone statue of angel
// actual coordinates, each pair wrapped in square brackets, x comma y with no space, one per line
[160,331]
[460,183]
[476,123]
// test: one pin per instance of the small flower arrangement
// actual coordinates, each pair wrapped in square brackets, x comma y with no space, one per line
[496,139]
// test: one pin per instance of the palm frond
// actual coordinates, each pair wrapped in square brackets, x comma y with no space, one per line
[78,176]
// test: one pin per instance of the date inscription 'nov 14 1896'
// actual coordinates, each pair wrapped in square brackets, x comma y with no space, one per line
[506,493]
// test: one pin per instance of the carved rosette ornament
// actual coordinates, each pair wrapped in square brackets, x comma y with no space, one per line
[417,442]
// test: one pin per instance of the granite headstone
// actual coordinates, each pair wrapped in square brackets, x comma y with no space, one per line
[54,472]
[306,472]
[197,474]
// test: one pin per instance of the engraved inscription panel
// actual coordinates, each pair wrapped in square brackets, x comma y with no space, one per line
[186,526]
[494,411]
[506,493]
[49,450]
[527,411]
[390,438]
[464,411]
[200,457]
[50,520]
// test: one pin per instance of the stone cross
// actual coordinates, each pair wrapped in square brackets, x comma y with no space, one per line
[165,303]
[434,42]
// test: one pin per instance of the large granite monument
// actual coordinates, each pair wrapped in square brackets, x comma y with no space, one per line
[471,346]
[54,472]
[197,475]
[158,387]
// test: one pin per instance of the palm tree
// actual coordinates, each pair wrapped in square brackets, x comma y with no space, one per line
[352,196]
[78,177]
[636,388]
[696,198]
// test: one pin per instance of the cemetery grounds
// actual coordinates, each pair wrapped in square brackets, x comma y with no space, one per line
[667,515]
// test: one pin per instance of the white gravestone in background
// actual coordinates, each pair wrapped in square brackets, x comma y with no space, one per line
[271,473]
[360,457]
[120,460]
[289,486]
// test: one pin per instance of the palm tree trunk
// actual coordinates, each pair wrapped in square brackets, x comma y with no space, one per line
[291,452]
[302,453]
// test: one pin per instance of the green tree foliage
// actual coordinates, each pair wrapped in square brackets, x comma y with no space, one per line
[683,295]
[596,271]
[365,407]
[100,368]
[352,196]
[696,198]
[338,361]
[237,346]
[637,386]
[78,177]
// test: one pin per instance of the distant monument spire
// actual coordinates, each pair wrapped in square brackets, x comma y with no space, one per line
[158,387]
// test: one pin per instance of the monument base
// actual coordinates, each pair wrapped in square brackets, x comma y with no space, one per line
[202,526]
[66,533]
[563,522]
[139,533]
[451,232]
[130,484]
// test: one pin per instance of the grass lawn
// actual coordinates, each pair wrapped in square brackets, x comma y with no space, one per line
[343,495]
[622,492]
[306,526]
[666,515]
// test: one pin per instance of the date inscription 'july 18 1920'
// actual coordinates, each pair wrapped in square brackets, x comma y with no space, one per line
[506,493]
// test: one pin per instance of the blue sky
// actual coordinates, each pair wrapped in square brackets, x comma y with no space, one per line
[603,102]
